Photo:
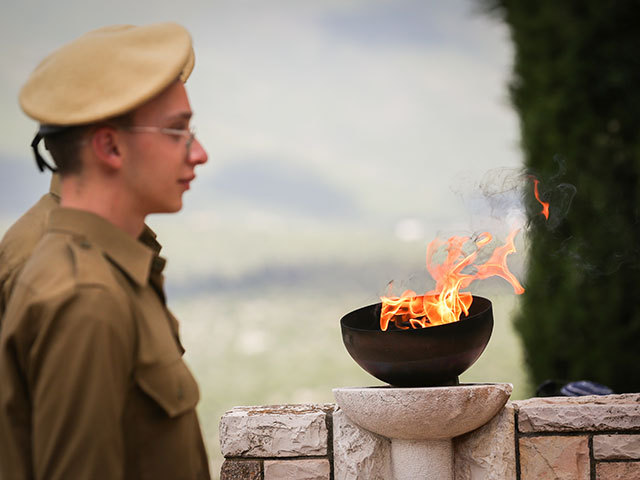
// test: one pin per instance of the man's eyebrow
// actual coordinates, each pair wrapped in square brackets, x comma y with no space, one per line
[179,116]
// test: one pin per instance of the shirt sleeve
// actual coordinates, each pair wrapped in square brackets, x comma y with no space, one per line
[78,371]
[8,275]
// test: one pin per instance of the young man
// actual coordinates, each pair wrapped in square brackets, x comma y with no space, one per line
[93,381]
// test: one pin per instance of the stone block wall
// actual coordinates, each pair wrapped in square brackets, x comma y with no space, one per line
[277,442]
[579,438]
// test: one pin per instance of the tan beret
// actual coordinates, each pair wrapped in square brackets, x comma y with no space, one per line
[106,73]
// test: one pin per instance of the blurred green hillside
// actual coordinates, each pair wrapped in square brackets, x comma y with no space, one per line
[267,332]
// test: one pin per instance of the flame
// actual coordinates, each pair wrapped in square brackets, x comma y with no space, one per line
[545,205]
[446,303]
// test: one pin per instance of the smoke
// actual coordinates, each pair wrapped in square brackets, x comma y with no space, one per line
[495,204]
[499,200]
[601,255]
[504,199]
[559,198]
[558,194]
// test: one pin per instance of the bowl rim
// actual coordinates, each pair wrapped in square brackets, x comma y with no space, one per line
[483,310]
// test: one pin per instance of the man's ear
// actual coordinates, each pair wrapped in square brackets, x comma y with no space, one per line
[105,143]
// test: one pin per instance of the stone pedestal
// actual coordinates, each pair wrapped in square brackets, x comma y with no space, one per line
[421,459]
[422,421]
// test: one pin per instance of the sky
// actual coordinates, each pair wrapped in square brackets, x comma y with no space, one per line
[365,110]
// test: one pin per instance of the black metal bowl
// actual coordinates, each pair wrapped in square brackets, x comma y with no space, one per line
[423,357]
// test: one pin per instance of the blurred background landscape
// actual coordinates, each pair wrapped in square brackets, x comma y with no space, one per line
[343,136]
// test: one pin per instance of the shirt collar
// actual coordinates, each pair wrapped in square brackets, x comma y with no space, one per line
[132,256]
[54,187]
[148,236]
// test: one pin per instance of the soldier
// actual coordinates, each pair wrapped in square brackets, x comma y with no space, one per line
[93,381]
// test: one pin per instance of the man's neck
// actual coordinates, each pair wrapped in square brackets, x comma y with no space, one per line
[103,200]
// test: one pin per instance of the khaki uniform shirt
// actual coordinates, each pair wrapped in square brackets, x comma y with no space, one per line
[22,237]
[20,240]
[93,381]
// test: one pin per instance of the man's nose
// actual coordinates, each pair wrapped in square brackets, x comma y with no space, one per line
[197,154]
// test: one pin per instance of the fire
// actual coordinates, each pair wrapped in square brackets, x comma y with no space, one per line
[545,205]
[446,303]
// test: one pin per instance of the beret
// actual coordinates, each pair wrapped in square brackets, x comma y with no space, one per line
[107,72]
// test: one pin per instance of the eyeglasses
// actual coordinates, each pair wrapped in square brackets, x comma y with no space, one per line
[189,134]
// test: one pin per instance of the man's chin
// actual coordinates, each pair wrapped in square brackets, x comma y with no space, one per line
[168,208]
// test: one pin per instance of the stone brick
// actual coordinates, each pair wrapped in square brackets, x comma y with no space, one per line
[618,471]
[616,447]
[357,453]
[488,453]
[233,469]
[274,431]
[560,458]
[577,414]
[308,469]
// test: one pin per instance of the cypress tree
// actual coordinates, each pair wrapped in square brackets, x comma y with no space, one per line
[576,87]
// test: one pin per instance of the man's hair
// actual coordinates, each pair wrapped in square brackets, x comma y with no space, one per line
[65,146]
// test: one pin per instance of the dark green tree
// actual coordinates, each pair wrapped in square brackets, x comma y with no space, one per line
[576,87]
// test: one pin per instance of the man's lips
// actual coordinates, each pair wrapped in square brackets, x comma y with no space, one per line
[186,181]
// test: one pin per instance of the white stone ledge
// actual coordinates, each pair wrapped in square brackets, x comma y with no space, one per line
[579,414]
[275,431]
[616,447]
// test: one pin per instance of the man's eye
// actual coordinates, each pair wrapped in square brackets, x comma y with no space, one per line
[178,132]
